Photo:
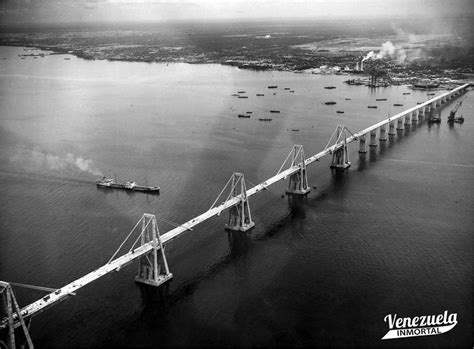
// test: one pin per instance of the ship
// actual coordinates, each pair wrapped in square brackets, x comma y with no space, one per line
[273,86]
[243,115]
[129,185]
[425,85]
[330,103]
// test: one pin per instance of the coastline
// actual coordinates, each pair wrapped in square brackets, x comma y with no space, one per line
[445,80]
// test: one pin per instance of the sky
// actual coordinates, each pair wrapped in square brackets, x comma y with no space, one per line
[90,11]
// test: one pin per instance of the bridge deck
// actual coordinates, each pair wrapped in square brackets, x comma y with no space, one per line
[64,292]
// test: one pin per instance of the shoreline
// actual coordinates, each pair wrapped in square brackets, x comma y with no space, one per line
[267,67]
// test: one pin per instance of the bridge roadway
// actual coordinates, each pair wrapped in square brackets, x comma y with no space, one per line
[115,265]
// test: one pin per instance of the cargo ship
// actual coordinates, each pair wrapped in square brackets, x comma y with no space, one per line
[130,185]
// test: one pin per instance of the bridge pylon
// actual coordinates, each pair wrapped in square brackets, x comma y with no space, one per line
[9,307]
[152,267]
[340,156]
[298,183]
[240,218]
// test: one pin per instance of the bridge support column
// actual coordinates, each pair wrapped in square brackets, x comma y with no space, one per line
[298,184]
[150,265]
[391,128]
[362,144]
[240,218]
[383,130]
[407,119]
[340,158]
[414,116]
[400,126]
[9,307]
[373,138]
[421,112]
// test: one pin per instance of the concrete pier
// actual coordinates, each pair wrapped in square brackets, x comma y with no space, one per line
[373,138]
[400,126]
[391,128]
[414,116]
[362,144]
[408,119]
[383,133]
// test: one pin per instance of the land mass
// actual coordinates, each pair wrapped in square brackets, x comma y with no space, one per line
[419,50]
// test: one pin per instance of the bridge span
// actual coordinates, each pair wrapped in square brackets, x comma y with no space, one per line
[151,248]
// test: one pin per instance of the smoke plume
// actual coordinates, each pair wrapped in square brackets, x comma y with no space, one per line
[388,50]
[35,159]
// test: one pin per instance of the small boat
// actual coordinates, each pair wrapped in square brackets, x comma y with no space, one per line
[347,99]
[260,95]
[241,92]
[287,88]
[67,59]
[431,94]
[398,105]
[265,119]
[435,120]
[419,102]
[243,116]
[292,91]
[243,97]
[330,103]
[381,99]
[273,86]
[406,93]
[296,130]
[329,87]
[372,106]
[275,111]
[250,112]
[459,120]
[235,95]
[340,111]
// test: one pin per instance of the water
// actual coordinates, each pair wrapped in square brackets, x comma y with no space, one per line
[391,235]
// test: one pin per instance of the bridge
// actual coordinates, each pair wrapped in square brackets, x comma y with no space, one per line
[149,245]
